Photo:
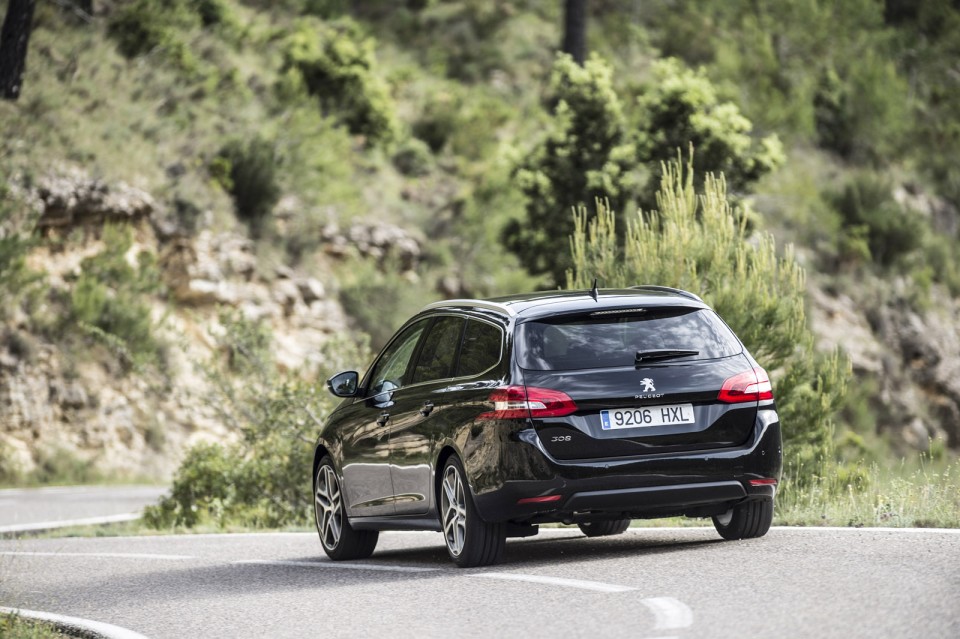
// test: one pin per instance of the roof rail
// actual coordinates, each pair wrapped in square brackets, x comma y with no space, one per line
[667,289]
[468,303]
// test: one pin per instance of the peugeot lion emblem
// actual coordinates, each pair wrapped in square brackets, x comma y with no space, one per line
[648,385]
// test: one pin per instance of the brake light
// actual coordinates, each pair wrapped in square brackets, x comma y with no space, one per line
[748,386]
[766,481]
[520,402]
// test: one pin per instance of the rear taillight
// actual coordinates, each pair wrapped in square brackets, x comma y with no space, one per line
[748,386]
[520,402]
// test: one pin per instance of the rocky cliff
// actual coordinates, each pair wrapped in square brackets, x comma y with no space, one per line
[139,423]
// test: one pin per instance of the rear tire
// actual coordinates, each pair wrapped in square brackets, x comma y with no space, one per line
[604,528]
[745,521]
[470,540]
[338,538]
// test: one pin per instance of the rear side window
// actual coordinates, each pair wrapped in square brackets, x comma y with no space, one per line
[600,341]
[439,352]
[481,348]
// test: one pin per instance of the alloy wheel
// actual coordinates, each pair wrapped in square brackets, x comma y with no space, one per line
[329,507]
[454,508]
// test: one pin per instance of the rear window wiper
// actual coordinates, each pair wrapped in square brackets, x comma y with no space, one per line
[649,356]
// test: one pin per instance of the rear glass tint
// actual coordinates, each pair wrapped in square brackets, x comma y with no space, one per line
[601,341]
[481,348]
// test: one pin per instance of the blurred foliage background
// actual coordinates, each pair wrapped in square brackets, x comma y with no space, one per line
[461,120]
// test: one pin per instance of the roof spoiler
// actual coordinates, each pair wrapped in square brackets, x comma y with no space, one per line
[667,289]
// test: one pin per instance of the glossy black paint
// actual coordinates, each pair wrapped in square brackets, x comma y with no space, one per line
[388,448]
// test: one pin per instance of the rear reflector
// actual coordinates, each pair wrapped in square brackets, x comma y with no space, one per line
[748,386]
[539,500]
[763,482]
[520,402]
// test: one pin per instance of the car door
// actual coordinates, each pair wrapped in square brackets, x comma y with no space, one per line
[367,483]
[418,413]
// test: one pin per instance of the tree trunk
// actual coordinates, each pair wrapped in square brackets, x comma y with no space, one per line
[14,39]
[575,30]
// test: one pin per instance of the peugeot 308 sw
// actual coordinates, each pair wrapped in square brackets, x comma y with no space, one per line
[481,419]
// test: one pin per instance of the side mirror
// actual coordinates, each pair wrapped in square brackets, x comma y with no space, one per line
[344,384]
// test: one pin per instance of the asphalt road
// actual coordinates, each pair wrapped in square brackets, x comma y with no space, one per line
[645,583]
[30,506]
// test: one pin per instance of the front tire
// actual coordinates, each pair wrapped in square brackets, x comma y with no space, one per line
[745,521]
[470,540]
[604,528]
[339,540]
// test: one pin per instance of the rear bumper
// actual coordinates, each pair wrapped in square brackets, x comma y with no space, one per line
[694,483]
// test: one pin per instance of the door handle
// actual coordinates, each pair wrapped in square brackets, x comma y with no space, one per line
[427,408]
[382,420]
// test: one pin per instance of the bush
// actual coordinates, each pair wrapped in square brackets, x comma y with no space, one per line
[336,64]
[699,243]
[247,171]
[859,111]
[586,155]
[413,158]
[680,108]
[866,205]
[108,300]
[379,300]
[263,480]
[17,280]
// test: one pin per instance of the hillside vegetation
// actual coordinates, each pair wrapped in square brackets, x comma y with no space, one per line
[209,205]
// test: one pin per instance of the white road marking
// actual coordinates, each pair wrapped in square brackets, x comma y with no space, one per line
[332,564]
[108,555]
[63,523]
[851,529]
[88,627]
[669,613]
[596,586]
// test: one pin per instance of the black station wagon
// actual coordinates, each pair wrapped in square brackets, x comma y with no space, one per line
[483,418]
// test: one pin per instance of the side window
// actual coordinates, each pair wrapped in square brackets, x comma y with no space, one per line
[392,365]
[439,352]
[481,348]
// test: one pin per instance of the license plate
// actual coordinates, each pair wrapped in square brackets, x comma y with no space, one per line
[647,416]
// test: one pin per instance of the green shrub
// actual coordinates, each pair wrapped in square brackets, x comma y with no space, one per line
[18,282]
[860,110]
[264,479]
[413,158]
[379,300]
[586,155]
[336,64]
[108,301]
[680,108]
[866,202]
[699,243]
[247,171]
[143,25]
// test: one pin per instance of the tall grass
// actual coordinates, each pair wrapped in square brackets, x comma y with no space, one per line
[921,493]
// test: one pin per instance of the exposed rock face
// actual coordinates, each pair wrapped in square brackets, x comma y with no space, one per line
[141,424]
[914,358]
[72,198]
[377,240]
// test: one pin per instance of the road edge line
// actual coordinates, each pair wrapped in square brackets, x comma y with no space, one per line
[76,625]
[66,523]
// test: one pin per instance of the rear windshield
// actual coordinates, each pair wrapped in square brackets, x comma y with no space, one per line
[613,339]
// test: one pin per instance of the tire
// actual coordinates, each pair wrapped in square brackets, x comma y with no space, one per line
[745,521]
[470,540]
[604,528]
[339,540]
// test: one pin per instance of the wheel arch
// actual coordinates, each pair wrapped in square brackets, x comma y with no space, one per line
[318,454]
[446,452]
